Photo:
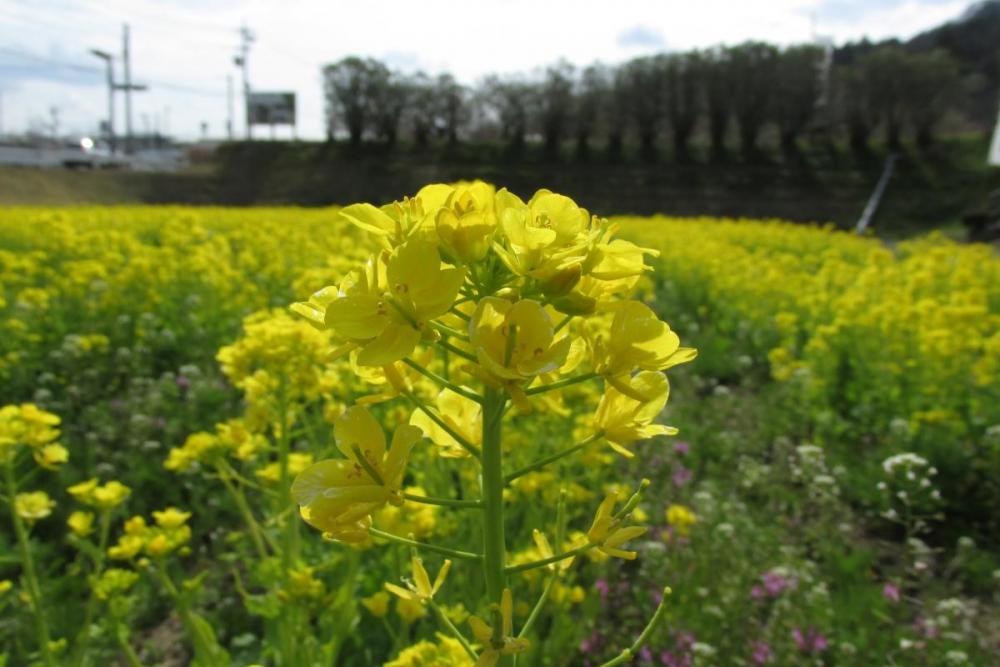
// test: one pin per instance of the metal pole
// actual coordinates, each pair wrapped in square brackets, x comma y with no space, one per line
[128,90]
[111,105]
[876,198]
[229,106]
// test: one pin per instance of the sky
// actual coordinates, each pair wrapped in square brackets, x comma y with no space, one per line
[183,49]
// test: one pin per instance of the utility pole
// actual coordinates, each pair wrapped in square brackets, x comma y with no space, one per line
[128,87]
[229,107]
[54,113]
[246,39]
[109,63]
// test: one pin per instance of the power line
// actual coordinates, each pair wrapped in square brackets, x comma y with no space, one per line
[167,85]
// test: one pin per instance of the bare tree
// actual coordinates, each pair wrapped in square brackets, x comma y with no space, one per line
[684,73]
[752,70]
[348,89]
[718,96]
[796,91]
[590,104]
[555,105]
[644,92]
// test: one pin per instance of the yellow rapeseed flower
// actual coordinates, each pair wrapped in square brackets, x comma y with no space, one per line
[81,523]
[609,533]
[507,644]
[464,416]
[33,506]
[377,604]
[681,518]
[624,419]
[420,588]
[335,494]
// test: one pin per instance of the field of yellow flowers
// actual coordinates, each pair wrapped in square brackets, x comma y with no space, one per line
[438,433]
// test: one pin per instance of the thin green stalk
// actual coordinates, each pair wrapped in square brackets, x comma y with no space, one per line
[541,463]
[97,562]
[566,320]
[537,609]
[494,542]
[456,436]
[456,350]
[572,553]
[130,657]
[576,379]
[453,630]
[448,331]
[444,502]
[629,653]
[28,565]
[241,504]
[454,553]
[442,382]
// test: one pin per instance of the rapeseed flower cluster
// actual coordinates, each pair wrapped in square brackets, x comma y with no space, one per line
[496,303]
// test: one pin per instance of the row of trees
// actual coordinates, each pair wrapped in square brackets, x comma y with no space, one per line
[740,91]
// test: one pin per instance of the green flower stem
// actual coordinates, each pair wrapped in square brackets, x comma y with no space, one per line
[446,622]
[566,320]
[28,565]
[462,442]
[494,542]
[457,313]
[445,502]
[454,553]
[572,553]
[537,609]
[541,463]
[626,655]
[448,331]
[203,646]
[442,382]
[576,379]
[97,562]
[130,657]
[241,504]
[457,350]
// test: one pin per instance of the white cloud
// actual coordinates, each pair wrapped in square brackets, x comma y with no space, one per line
[181,46]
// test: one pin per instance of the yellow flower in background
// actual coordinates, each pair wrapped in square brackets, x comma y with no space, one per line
[464,416]
[33,506]
[681,518]
[377,604]
[110,495]
[608,532]
[507,644]
[83,492]
[5,585]
[297,462]
[447,652]
[410,611]
[106,497]
[623,419]
[302,583]
[114,581]
[27,425]
[415,519]
[420,588]
[335,494]
[171,517]
[81,523]
[50,456]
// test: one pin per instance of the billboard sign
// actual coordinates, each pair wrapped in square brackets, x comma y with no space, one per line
[272,108]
